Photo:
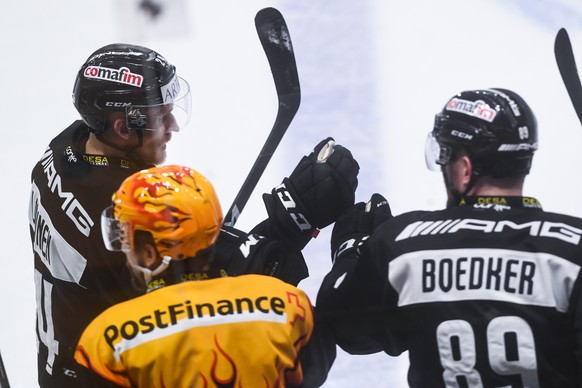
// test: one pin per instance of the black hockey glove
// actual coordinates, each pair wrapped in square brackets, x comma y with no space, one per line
[356,224]
[318,190]
[239,253]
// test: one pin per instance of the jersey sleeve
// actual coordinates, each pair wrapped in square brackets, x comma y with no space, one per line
[302,325]
[319,355]
[93,353]
[350,302]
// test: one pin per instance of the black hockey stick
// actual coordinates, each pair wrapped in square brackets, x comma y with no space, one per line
[276,41]
[568,69]
[3,376]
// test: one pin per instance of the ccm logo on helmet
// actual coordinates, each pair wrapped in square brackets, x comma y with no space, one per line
[117,104]
[461,135]
[122,75]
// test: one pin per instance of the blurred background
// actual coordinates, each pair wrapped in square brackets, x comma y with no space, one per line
[373,74]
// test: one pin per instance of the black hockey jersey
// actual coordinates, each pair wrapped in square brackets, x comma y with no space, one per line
[484,294]
[76,278]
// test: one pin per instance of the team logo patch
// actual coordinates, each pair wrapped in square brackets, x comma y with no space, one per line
[96,160]
[478,109]
[122,75]
[70,154]
[127,164]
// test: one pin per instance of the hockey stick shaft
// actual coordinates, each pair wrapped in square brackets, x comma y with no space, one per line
[568,70]
[3,376]
[276,41]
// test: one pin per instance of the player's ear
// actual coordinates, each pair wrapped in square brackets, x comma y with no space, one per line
[120,128]
[150,256]
[467,167]
[466,170]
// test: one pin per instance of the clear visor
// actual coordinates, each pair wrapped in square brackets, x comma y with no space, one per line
[114,233]
[173,114]
[435,154]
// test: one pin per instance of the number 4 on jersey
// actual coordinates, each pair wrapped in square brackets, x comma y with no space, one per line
[46,329]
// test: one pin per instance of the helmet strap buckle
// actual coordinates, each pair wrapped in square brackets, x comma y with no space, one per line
[134,118]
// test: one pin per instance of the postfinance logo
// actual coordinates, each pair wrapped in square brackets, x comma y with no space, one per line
[185,315]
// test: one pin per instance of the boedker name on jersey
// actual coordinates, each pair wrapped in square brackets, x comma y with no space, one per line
[491,274]
[485,273]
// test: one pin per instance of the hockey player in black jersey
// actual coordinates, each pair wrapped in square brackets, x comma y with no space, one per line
[131,102]
[484,293]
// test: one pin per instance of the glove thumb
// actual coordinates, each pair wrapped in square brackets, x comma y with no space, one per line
[379,208]
[324,147]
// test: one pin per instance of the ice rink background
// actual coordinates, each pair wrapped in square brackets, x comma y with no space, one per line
[373,74]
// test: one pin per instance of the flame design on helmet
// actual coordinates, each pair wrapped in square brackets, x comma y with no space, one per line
[176,204]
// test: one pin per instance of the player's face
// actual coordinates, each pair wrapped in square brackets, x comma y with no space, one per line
[153,149]
[160,125]
[162,119]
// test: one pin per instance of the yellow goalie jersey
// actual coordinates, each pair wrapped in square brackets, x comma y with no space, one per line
[243,331]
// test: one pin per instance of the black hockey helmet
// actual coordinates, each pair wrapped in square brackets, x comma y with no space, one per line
[130,79]
[496,128]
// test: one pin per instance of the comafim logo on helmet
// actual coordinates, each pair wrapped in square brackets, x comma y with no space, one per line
[477,109]
[122,75]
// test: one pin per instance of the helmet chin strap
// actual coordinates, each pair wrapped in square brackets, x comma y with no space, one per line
[149,274]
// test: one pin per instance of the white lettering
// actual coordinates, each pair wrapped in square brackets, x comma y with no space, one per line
[505,275]
[290,205]
[252,240]
[558,230]
[70,206]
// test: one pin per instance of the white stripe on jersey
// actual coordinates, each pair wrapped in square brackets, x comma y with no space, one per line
[62,260]
[448,275]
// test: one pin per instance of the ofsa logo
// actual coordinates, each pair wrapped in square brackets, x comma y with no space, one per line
[122,75]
